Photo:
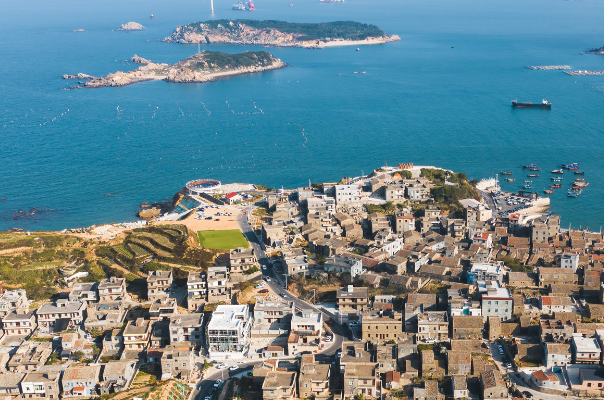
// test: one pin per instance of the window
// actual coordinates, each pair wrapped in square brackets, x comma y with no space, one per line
[351,383]
[496,302]
[489,302]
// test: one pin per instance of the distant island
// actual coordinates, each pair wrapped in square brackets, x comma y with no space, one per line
[206,66]
[280,33]
[131,26]
[599,51]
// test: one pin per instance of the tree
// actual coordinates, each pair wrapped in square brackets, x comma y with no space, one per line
[79,355]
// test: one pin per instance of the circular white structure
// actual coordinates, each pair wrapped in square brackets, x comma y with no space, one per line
[199,186]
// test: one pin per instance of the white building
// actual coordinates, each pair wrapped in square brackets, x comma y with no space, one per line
[496,301]
[393,245]
[483,239]
[12,300]
[344,264]
[488,271]
[570,260]
[228,332]
[347,194]
[552,304]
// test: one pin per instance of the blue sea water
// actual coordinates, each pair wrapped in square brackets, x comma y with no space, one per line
[441,96]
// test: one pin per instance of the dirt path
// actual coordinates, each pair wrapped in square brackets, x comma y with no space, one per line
[16,249]
[127,271]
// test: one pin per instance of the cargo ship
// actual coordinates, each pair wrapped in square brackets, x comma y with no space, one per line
[544,104]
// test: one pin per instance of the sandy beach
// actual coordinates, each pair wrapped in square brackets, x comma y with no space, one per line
[367,41]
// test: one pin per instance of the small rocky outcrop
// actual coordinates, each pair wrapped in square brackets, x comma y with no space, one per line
[598,51]
[131,26]
[79,30]
[139,60]
[149,213]
[78,76]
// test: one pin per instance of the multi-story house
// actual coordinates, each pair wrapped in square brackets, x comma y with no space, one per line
[486,272]
[483,239]
[585,350]
[273,314]
[85,291]
[159,285]
[279,385]
[64,314]
[177,361]
[80,381]
[417,303]
[395,192]
[113,341]
[352,300]
[359,380]
[113,288]
[570,260]
[429,391]
[557,354]
[433,325]
[197,292]
[306,329]
[314,378]
[556,276]
[347,194]
[496,301]
[218,285]
[381,326]
[12,300]
[405,221]
[136,335]
[228,331]
[19,323]
[163,308]
[30,356]
[105,315]
[41,385]
[10,385]
[186,328]
[242,259]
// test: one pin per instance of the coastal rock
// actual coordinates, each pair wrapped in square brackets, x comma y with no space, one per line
[139,60]
[149,213]
[206,66]
[78,76]
[280,34]
[131,26]
[598,51]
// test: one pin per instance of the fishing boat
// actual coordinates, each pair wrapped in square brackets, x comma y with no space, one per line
[533,175]
[535,169]
[572,167]
[556,178]
[558,171]
[505,172]
[579,173]
[579,179]
[510,179]
[530,166]
[546,191]
[580,185]
[555,186]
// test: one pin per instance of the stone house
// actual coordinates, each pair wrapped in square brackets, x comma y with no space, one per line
[85,291]
[117,376]
[136,334]
[279,385]
[433,325]
[10,385]
[428,392]
[548,277]
[196,290]
[459,363]
[552,304]
[80,381]
[467,327]
[60,316]
[493,386]
[459,387]
[219,286]
[352,300]
[381,326]
[359,379]
[241,259]
[41,385]
[105,315]
[177,361]
[556,354]
[30,356]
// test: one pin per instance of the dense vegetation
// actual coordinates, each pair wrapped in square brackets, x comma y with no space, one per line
[217,61]
[515,264]
[311,31]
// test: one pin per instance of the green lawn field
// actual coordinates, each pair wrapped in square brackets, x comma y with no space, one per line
[222,240]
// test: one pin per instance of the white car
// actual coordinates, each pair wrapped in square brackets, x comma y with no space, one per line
[264,267]
[233,368]
[328,338]
[217,383]
[353,323]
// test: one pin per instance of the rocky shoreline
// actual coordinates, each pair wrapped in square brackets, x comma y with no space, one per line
[186,71]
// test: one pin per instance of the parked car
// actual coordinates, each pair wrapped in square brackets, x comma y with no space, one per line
[264,291]
[282,294]
[217,382]
[328,338]
[353,323]
[527,394]
[233,368]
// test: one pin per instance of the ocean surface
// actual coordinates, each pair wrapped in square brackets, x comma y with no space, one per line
[441,96]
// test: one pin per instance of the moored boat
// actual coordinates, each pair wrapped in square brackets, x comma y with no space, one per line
[506,172]
[544,104]
[535,169]
[555,186]
[527,185]
[546,191]
[556,178]
[558,171]
[574,192]
[579,173]
[510,179]
[530,166]
[533,175]
[580,185]
[572,167]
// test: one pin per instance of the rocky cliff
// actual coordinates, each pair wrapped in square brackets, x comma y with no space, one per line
[279,33]
[202,67]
